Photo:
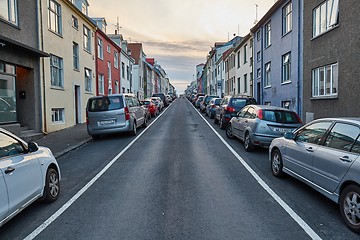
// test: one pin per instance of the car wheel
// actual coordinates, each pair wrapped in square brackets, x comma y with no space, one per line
[247,143]
[276,163]
[133,131]
[145,122]
[95,137]
[229,133]
[350,207]
[222,124]
[52,186]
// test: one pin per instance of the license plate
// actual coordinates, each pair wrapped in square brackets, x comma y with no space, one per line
[283,130]
[106,122]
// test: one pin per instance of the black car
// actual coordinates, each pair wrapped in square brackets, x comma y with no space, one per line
[163,98]
[229,107]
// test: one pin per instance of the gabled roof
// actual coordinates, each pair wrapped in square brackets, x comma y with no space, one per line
[136,50]
[265,18]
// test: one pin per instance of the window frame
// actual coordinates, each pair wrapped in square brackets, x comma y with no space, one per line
[101,84]
[88,82]
[286,68]
[100,48]
[87,39]
[287,18]
[267,77]
[324,22]
[268,34]
[317,79]
[60,71]
[58,115]
[76,65]
[12,15]
[58,17]
[75,22]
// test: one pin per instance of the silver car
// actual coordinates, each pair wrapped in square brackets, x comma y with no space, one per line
[325,155]
[258,125]
[27,173]
[114,114]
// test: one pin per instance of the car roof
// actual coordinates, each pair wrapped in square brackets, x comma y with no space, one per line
[355,120]
[268,107]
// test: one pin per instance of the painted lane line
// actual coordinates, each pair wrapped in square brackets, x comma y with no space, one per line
[267,188]
[57,214]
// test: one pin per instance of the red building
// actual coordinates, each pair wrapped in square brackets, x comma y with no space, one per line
[107,61]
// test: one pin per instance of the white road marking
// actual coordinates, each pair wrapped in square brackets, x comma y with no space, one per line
[267,188]
[52,218]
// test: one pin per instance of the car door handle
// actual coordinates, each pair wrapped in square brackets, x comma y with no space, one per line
[345,159]
[310,149]
[9,170]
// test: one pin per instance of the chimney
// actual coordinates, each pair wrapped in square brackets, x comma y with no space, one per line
[115,32]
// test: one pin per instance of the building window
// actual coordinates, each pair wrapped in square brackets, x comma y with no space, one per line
[245,57]
[75,23]
[238,85]
[325,81]
[8,11]
[258,73]
[116,87]
[109,72]
[56,66]
[100,49]
[258,35]
[285,104]
[101,84]
[268,34]
[116,60]
[127,73]
[54,17]
[75,56]
[267,103]
[87,39]
[123,70]
[251,62]
[57,115]
[286,68]
[88,87]
[287,18]
[258,56]
[238,59]
[83,8]
[325,17]
[267,82]
[123,90]
[108,49]
[245,83]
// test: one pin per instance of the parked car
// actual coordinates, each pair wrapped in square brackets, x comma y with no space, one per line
[325,155]
[197,102]
[151,106]
[258,125]
[159,103]
[196,97]
[27,173]
[206,101]
[162,97]
[210,108]
[229,107]
[114,114]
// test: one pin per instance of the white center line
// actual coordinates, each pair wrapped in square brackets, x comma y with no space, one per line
[52,218]
[267,188]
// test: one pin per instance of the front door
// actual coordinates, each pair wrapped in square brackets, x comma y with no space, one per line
[77,105]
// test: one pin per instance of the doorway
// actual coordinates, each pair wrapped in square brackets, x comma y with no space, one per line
[77,105]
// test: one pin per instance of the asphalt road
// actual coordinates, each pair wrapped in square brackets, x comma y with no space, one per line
[178,180]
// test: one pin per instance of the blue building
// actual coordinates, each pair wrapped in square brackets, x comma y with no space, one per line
[277,56]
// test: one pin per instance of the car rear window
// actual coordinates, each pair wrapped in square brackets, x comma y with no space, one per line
[147,102]
[238,102]
[105,104]
[279,116]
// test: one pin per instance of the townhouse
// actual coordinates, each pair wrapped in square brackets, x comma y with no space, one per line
[331,47]
[20,57]
[68,75]
[229,60]
[107,61]
[139,56]
[278,56]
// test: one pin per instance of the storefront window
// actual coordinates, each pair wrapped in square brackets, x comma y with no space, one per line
[7,93]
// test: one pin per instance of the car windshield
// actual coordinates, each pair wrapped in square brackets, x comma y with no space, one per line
[105,104]
[280,116]
[238,102]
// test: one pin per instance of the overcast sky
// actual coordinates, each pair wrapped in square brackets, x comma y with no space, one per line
[179,33]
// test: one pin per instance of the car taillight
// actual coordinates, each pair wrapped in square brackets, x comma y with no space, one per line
[213,106]
[127,113]
[259,114]
[229,109]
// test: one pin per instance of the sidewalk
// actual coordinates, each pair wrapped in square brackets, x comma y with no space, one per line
[63,141]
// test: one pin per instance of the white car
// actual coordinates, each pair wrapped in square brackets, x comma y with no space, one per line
[27,173]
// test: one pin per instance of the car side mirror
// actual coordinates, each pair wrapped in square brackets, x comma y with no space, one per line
[32,146]
[289,135]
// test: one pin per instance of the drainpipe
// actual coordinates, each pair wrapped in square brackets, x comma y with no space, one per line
[300,63]
[42,67]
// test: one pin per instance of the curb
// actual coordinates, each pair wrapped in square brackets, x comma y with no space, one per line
[71,148]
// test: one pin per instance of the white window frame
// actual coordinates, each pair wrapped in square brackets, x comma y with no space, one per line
[58,115]
[75,22]
[258,73]
[268,34]
[54,17]
[286,68]
[116,59]
[76,56]
[245,54]
[108,49]
[100,48]
[101,84]
[267,80]
[325,17]
[87,39]
[11,12]
[287,18]
[324,81]
[88,78]
[56,69]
